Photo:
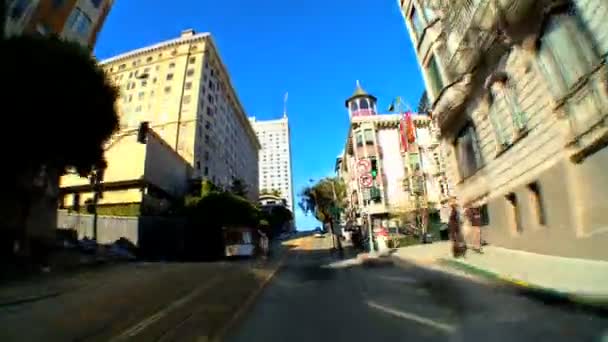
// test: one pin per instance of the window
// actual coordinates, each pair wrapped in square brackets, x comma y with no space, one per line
[167,90]
[363,104]
[190,72]
[206,155]
[514,212]
[169,77]
[566,51]
[96,3]
[122,67]
[79,22]
[206,138]
[369,136]
[429,14]
[209,111]
[417,23]
[537,203]
[467,151]
[188,85]
[504,106]
[144,83]
[434,76]
[192,60]
[149,59]
[186,99]
[353,106]
[138,109]
[206,171]
[141,95]
[359,138]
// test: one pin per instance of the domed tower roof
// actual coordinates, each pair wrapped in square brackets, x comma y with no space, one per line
[359,92]
[361,103]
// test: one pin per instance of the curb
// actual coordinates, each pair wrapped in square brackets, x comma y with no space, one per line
[238,315]
[30,299]
[544,294]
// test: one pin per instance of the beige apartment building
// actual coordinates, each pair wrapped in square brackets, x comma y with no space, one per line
[410,174]
[76,20]
[183,90]
[519,89]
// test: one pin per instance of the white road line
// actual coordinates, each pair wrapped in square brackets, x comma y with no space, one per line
[139,327]
[418,319]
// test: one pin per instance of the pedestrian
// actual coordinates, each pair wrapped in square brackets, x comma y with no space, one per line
[458,244]
[264,244]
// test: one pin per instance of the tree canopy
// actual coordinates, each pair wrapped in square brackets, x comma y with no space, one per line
[216,208]
[319,200]
[238,187]
[61,101]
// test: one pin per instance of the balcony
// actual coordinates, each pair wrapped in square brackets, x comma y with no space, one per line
[451,99]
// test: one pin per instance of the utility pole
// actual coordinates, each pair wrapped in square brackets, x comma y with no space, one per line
[97,179]
[335,215]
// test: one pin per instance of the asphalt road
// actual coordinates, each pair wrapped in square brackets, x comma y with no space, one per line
[316,297]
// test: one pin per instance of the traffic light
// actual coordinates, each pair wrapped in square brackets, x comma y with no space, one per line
[143,132]
[374,168]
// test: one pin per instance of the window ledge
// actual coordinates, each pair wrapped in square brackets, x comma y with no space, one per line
[577,86]
[519,135]
[596,145]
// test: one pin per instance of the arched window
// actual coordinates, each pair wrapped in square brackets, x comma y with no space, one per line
[353,106]
[363,104]
[495,117]
[505,114]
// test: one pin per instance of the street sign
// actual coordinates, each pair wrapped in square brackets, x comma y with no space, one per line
[363,166]
[366,180]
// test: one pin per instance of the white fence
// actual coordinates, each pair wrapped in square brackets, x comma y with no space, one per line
[109,228]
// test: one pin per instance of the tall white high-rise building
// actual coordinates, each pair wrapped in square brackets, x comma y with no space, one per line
[275,157]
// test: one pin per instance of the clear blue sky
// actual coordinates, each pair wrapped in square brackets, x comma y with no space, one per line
[314,49]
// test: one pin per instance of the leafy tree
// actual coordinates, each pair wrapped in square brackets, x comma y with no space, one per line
[424,105]
[63,104]
[277,219]
[325,200]
[238,187]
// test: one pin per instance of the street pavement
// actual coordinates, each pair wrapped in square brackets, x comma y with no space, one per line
[317,297]
[314,296]
[131,302]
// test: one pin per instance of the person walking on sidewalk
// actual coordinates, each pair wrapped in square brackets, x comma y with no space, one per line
[459,246]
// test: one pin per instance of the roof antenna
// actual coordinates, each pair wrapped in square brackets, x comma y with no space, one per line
[285,104]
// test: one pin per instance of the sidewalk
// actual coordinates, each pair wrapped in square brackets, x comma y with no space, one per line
[577,280]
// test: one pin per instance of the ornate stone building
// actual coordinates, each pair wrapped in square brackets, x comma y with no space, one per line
[519,90]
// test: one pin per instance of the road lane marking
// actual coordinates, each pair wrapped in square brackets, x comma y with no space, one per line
[412,317]
[139,327]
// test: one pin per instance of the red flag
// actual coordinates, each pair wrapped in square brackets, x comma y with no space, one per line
[411,133]
[403,134]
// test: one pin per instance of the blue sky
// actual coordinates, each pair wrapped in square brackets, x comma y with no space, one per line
[314,49]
